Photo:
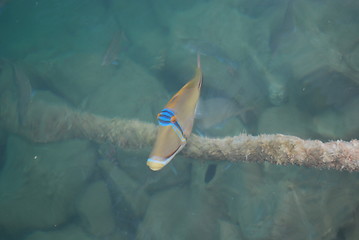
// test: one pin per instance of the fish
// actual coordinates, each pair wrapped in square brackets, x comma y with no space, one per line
[207,48]
[113,50]
[24,92]
[176,122]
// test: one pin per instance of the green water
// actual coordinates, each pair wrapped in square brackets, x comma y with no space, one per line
[278,66]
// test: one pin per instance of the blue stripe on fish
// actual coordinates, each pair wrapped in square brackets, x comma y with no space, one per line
[163,123]
[167,112]
[178,127]
[164,119]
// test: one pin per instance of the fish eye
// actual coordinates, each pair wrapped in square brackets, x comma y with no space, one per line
[173,119]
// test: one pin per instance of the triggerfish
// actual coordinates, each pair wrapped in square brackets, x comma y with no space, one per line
[176,122]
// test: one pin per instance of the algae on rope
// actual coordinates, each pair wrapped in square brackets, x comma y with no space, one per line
[49,123]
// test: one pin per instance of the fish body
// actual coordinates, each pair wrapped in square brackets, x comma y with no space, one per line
[176,122]
[113,50]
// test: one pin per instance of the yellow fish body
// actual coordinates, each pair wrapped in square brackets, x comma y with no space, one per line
[176,122]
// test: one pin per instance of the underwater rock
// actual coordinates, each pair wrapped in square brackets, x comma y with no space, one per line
[248,199]
[95,210]
[165,9]
[132,195]
[285,119]
[277,90]
[46,177]
[190,217]
[230,127]
[213,111]
[314,204]
[351,116]
[23,91]
[180,67]
[229,231]
[219,116]
[74,76]
[292,219]
[6,76]
[286,27]
[352,230]
[324,89]
[158,223]
[273,202]
[68,233]
[207,48]
[130,93]
[174,174]
[352,58]
[212,36]
[195,209]
[253,9]
[329,125]
[343,124]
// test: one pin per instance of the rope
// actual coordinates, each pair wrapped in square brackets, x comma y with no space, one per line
[46,123]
